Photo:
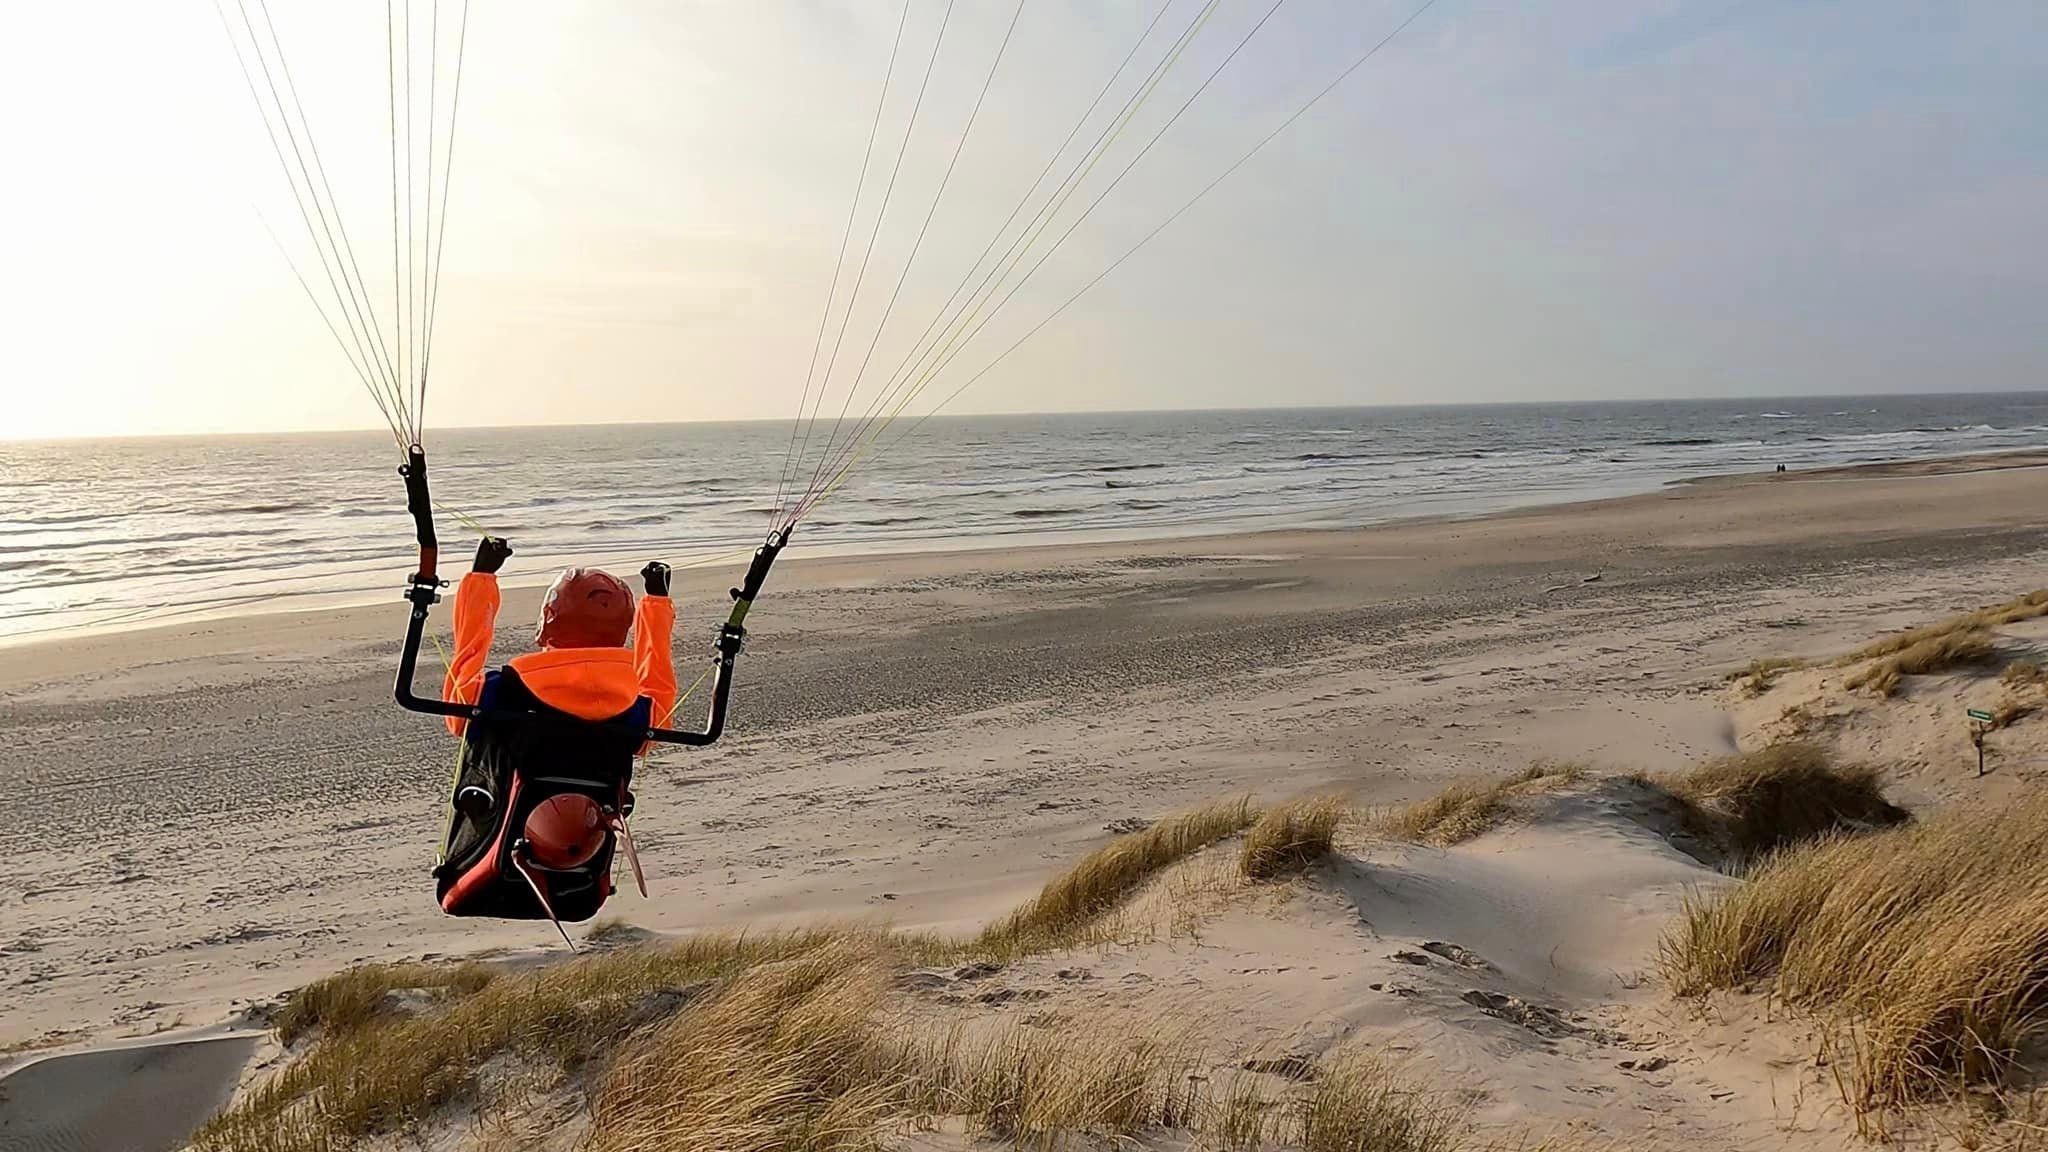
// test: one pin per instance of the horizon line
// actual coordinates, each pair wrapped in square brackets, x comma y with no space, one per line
[380,430]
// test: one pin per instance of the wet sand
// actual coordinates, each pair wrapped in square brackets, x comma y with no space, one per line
[203,817]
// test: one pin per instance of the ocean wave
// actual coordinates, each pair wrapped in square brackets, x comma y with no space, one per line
[1336,456]
[262,509]
[1125,484]
[1041,513]
[628,522]
[179,537]
[1678,442]
[886,521]
[59,518]
[1777,416]
[1141,505]
[184,567]
[1126,467]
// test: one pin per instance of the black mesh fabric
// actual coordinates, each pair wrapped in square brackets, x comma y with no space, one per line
[521,752]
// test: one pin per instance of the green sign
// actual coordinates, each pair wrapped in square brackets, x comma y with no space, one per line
[1980,714]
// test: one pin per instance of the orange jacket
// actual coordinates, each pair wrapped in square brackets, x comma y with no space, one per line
[590,683]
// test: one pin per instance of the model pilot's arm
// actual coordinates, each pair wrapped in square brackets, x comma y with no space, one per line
[653,623]
[476,615]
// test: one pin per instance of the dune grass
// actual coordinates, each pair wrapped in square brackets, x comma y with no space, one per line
[1927,943]
[789,1042]
[350,999]
[2024,675]
[610,930]
[1066,906]
[372,1071]
[787,1055]
[2026,691]
[798,1057]
[1927,655]
[2027,607]
[1755,803]
[2010,711]
[1757,677]
[1358,1105]
[1469,808]
[1290,839]
[1957,642]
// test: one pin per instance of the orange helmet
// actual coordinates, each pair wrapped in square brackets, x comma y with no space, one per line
[566,830]
[585,608]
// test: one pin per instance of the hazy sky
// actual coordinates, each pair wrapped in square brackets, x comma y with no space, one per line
[1514,201]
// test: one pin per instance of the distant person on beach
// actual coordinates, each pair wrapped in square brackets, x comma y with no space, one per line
[585,666]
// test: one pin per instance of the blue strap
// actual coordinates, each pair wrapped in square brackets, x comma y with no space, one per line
[487,699]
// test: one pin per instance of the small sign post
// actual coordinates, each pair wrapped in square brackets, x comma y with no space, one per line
[1980,723]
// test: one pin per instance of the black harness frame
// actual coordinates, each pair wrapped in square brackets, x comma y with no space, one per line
[423,591]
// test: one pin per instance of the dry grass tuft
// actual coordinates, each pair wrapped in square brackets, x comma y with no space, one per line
[1756,803]
[1357,1105]
[2026,690]
[794,1058]
[785,1056]
[2009,712]
[1290,839]
[2026,607]
[1066,906]
[350,999]
[1928,943]
[611,929]
[1468,808]
[1798,721]
[1757,678]
[1035,1087]
[1930,654]
[388,1072]
[2021,675]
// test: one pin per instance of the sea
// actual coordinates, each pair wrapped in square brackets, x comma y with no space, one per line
[102,534]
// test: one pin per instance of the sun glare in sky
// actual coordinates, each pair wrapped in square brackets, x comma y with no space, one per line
[646,202]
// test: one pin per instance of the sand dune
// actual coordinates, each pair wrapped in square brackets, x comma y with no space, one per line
[925,739]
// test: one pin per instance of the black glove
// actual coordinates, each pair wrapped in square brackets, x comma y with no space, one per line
[655,576]
[491,552]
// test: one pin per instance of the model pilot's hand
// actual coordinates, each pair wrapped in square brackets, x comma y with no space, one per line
[655,576]
[491,552]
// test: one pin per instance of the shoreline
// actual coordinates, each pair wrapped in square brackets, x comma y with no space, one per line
[455,561]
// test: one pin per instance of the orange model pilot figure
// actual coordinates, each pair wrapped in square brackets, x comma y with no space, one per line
[585,666]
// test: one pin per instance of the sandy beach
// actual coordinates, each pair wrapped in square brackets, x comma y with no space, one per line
[210,816]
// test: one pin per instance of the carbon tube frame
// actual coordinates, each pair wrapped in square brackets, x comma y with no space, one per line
[423,596]
[423,589]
